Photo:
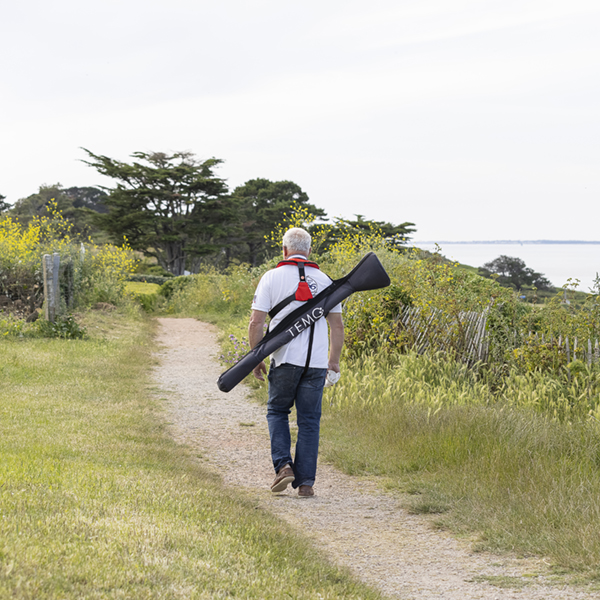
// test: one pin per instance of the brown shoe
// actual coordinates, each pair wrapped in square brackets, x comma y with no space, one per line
[306,491]
[285,476]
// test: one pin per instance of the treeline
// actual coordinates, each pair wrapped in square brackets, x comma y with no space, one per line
[77,204]
[175,209]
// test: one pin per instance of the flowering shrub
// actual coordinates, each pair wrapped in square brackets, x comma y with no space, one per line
[21,251]
[299,216]
[440,292]
[99,272]
[10,326]
[536,354]
[559,318]
[102,273]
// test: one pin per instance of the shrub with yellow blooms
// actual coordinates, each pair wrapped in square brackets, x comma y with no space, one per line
[99,271]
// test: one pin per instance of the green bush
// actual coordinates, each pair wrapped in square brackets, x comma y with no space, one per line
[175,285]
[13,327]
[64,326]
[157,279]
[146,266]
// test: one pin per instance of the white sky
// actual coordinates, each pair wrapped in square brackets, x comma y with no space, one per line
[475,119]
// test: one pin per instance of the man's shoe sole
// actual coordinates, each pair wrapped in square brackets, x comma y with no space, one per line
[281,485]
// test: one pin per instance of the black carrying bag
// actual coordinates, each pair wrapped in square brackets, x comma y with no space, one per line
[368,274]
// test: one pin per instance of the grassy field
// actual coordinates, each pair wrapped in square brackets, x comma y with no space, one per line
[96,501]
[508,476]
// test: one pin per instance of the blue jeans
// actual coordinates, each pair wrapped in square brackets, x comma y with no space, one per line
[286,386]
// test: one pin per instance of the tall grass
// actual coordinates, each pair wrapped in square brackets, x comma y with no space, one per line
[378,379]
[518,479]
[515,480]
[97,501]
[213,295]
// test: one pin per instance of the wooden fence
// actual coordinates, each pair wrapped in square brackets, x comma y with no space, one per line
[588,351]
[464,333]
[467,336]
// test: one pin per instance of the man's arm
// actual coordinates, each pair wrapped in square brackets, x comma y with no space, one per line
[336,341]
[256,332]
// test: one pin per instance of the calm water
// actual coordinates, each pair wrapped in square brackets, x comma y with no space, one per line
[557,262]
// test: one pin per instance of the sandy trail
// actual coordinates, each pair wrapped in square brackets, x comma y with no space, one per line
[349,518]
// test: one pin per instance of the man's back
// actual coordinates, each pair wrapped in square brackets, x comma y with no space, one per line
[275,286]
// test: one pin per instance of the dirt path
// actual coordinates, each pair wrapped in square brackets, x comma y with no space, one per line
[354,522]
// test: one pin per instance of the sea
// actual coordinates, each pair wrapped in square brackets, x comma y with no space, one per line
[557,261]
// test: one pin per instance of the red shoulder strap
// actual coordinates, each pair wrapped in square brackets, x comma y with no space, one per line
[296,261]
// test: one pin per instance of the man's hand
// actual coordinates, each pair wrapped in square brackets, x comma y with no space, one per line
[260,371]
[334,366]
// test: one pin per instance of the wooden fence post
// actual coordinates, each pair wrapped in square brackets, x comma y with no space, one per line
[49,304]
[50,267]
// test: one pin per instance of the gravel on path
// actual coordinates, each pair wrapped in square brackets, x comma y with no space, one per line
[353,521]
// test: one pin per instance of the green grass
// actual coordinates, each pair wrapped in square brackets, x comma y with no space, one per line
[96,500]
[140,287]
[514,479]
[145,294]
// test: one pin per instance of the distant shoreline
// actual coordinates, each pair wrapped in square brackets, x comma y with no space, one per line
[516,242]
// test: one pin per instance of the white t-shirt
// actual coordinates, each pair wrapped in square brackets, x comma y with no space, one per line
[277,284]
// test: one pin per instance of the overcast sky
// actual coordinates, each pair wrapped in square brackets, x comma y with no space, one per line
[474,119]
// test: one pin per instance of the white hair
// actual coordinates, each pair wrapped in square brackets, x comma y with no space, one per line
[297,241]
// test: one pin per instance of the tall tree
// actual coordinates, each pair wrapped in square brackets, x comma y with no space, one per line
[262,205]
[512,272]
[171,207]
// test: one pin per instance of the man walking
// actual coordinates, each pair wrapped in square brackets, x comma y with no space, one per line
[298,369]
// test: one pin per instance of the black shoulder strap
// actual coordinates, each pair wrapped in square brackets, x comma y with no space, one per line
[309,351]
[279,307]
